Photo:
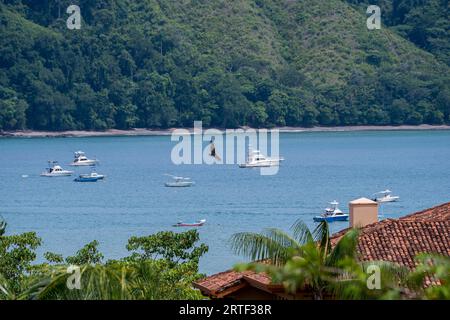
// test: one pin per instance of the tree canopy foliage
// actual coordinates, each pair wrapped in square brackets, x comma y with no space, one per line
[165,270]
[262,63]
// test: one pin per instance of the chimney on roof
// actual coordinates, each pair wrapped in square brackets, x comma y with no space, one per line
[363,211]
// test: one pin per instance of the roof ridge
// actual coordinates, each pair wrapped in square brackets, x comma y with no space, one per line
[411,215]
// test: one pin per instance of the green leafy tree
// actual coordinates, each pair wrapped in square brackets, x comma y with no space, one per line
[163,266]
[158,66]
[13,114]
[170,246]
[89,254]
[16,257]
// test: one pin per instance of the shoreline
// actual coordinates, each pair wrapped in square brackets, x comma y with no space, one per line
[167,132]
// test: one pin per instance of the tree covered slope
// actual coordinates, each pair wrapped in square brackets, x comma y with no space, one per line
[424,22]
[167,63]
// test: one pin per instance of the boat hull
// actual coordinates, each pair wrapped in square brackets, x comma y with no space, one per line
[84,163]
[51,175]
[384,200]
[260,165]
[193,224]
[188,224]
[331,218]
[178,184]
[87,176]
[81,179]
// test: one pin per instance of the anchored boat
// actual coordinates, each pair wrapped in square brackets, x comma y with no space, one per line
[82,160]
[178,182]
[385,196]
[192,224]
[55,170]
[91,177]
[255,159]
[332,213]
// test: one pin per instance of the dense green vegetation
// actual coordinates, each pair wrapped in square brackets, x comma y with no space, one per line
[161,266]
[424,22]
[165,63]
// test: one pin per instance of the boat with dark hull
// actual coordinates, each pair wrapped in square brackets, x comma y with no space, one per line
[192,224]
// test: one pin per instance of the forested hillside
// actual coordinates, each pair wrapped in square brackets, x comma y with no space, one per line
[424,22]
[262,63]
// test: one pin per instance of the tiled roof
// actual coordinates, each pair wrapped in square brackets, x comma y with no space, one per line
[400,241]
[226,282]
[395,240]
[437,213]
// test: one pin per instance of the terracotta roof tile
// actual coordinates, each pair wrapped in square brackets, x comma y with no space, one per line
[400,241]
[440,212]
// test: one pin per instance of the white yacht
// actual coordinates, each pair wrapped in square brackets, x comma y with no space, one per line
[82,160]
[178,182]
[55,170]
[255,159]
[385,196]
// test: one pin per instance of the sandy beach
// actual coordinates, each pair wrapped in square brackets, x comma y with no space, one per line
[151,132]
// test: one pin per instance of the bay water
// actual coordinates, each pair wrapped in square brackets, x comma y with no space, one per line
[320,167]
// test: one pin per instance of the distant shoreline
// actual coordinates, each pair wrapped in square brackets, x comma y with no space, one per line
[166,132]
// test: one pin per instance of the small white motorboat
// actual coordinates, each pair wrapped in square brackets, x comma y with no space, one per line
[55,170]
[179,182]
[385,196]
[190,224]
[82,160]
[255,159]
[332,213]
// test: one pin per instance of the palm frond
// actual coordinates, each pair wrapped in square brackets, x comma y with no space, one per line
[5,293]
[3,225]
[345,248]
[322,235]
[301,232]
[273,244]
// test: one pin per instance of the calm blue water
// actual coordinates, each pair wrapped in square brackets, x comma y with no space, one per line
[319,167]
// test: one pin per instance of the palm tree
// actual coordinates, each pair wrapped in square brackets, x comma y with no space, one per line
[307,260]
[304,259]
[118,280]
[5,292]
